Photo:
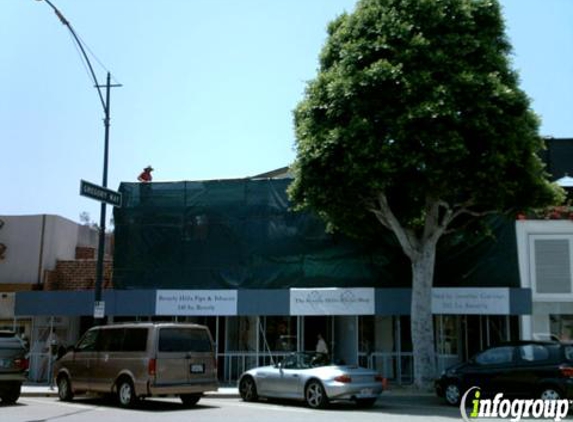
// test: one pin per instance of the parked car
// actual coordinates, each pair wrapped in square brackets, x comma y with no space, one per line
[13,366]
[133,361]
[311,377]
[531,369]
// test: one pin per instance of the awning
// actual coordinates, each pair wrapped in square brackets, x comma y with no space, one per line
[268,302]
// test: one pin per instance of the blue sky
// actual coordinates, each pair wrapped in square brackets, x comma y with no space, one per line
[208,88]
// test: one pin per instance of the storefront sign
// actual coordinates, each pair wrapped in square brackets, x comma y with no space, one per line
[196,302]
[333,301]
[470,301]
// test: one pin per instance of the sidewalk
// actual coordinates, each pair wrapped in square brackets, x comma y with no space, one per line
[39,390]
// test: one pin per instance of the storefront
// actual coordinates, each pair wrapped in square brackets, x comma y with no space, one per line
[365,326]
[545,250]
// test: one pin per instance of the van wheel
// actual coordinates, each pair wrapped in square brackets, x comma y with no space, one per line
[65,388]
[248,389]
[12,395]
[126,393]
[190,399]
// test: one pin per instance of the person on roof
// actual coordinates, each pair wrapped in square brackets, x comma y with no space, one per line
[145,175]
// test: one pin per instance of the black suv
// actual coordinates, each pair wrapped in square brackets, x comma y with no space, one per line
[13,366]
[531,369]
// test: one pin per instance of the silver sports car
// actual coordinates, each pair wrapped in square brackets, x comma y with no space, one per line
[311,377]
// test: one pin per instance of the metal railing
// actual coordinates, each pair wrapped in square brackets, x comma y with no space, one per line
[399,367]
[40,367]
[396,367]
[232,364]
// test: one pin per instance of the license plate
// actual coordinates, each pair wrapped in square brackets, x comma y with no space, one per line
[366,392]
[5,363]
[197,369]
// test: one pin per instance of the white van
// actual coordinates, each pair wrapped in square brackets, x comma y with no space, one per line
[138,360]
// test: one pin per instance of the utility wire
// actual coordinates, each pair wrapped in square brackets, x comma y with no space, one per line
[89,50]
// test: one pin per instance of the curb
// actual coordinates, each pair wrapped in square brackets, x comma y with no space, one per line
[47,392]
[224,394]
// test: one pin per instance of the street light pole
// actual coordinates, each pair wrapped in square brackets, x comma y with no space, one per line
[101,240]
[106,108]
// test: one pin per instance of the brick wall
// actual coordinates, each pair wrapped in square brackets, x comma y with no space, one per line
[85,253]
[77,275]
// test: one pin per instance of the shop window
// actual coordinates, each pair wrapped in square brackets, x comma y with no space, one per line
[552,264]
[280,333]
[367,328]
[447,334]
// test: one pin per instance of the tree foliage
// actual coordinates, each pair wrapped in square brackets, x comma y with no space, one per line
[417,99]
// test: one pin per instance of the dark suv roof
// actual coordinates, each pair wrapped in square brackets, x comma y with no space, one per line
[525,342]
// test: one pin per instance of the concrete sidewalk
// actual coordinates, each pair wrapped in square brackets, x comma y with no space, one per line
[42,390]
[39,390]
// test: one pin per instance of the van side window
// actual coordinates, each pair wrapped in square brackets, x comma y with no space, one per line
[88,341]
[184,340]
[110,340]
[135,340]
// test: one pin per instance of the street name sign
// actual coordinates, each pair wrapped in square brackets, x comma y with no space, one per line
[100,194]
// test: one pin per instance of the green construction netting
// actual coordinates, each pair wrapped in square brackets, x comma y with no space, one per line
[225,234]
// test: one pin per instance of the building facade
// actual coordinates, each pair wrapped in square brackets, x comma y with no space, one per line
[231,254]
[42,253]
[267,281]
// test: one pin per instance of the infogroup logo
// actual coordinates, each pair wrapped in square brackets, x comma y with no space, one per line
[498,407]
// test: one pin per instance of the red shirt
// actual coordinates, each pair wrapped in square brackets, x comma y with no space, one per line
[145,176]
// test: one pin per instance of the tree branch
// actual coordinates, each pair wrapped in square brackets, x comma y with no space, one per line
[386,217]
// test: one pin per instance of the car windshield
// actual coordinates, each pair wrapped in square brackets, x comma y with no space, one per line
[305,360]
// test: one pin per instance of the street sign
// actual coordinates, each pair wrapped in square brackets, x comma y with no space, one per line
[100,194]
[99,309]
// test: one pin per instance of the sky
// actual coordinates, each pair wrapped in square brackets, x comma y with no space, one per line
[208,89]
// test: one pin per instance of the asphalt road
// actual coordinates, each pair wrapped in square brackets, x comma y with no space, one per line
[399,409]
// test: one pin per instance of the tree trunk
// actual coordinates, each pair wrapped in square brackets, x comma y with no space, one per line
[422,322]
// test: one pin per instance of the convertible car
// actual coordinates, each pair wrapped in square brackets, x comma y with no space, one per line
[311,377]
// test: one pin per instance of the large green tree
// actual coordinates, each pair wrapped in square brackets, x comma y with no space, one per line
[415,123]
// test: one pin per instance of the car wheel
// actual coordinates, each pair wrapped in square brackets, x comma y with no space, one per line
[452,394]
[315,395]
[65,388]
[248,389]
[365,403]
[126,393]
[190,399]
[11,396]
[550,393]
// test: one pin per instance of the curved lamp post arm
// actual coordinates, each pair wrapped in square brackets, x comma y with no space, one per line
[80,45]
[106,109]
